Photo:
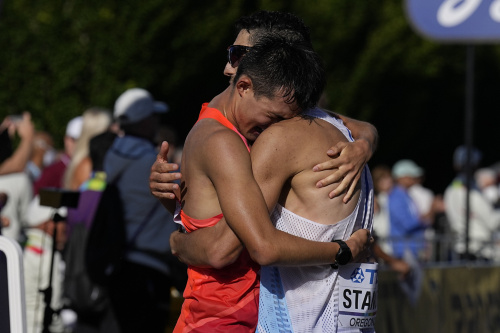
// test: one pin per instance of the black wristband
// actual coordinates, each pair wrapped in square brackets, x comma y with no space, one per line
[344,254]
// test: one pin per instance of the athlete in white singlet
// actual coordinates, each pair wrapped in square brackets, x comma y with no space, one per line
[306,299]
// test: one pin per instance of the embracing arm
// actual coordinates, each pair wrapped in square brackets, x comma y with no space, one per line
[246,211]
[215,246]
[247,214]
[273,165]
[349,159]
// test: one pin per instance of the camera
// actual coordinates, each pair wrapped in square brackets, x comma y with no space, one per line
[16,118]
[56,198]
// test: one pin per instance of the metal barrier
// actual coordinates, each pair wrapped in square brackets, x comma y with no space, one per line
[442,248]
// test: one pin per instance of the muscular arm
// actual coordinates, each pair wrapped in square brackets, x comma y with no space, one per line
[247,214]
[349,159]
[216,246]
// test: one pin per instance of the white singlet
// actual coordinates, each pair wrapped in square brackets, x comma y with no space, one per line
[306,299]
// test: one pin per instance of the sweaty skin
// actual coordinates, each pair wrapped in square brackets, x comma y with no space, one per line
[282,164]
[348,158]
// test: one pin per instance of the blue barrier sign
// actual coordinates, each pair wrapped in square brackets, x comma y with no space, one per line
[456,20]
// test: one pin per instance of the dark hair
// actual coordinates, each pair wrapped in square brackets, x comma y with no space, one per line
[98,146]
[290,68]
[281,23]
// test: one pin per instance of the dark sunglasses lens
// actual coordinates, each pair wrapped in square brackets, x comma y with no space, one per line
[236,52]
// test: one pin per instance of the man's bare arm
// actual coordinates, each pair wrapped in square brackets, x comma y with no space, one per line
[215,246]
[228,166]
[349,159]
[218,246]
[274,145]
[244,209]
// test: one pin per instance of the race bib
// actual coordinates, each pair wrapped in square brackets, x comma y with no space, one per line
[358,295]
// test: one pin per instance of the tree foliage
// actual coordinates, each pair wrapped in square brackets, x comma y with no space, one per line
[60,57]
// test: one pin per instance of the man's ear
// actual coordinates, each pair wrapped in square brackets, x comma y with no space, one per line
[244,84]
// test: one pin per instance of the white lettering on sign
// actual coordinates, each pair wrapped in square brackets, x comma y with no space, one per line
[453,12]
[495,11]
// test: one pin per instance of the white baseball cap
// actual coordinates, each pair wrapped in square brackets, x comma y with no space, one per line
[407,168]
[74,127]
[135,105]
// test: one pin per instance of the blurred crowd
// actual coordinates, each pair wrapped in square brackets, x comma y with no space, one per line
[124,143]
[102,147]
[415,224]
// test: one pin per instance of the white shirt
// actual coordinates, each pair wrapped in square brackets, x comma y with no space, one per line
[20,192]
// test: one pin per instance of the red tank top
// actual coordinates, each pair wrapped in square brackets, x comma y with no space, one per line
[219,300]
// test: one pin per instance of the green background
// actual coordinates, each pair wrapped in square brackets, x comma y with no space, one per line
[58,58]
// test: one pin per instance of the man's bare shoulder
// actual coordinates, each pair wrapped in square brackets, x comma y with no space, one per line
[288,142]
[210,144]
[299,131]
[300,141]
[209,133]
[282,133]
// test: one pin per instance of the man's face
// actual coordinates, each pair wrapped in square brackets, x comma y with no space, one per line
[254,115]
[407,181]
[243,39]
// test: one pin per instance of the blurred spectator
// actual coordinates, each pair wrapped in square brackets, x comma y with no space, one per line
[486,180]
[398,265]
[43,155]
[431,207]
[382,184]
[94,185]
[407,225]
[52,176]
[94,121]
[4,221]
[422,196]
[89,301]
[484,221]
[382,249]
[144,279]
[99,146]
[14,183]
[18,188]
[15,161]
[37,265]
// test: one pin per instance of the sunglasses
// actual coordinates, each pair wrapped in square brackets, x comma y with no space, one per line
[235,53]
